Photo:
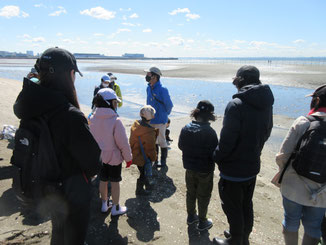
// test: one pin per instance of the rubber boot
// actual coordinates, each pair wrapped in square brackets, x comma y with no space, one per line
[140,191]
[290,238]
[164,155]
[308,240]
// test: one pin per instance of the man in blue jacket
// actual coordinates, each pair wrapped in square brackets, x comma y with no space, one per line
[247,124]
[158,97]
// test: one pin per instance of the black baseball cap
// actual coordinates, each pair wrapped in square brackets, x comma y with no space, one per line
[248,71]
[319,92]
[205,106]
[54,59]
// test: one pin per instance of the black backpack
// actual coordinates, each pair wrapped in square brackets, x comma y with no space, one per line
[310,156]
[36,169]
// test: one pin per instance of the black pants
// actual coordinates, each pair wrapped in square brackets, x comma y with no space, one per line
[237,205]
[70,212]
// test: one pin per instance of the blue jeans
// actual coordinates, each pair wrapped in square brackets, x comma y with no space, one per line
[311,218]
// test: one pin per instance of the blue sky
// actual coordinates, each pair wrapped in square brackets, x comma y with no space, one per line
[191,28]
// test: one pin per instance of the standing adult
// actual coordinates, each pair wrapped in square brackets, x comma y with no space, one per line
[159,98]
[247,124]
[77,152]
[304,199]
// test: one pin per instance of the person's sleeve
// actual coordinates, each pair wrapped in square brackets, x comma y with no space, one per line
[167,101]
[230,132]
[121,140]
[298,128]
[118,91]
[181,140]
[149,146]
[82,145]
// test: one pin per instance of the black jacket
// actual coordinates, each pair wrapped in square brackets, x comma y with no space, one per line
[197,141]
[76,149]
[247,124]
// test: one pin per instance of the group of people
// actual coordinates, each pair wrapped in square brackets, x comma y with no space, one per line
[98,147]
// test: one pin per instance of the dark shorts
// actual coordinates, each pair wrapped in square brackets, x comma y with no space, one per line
[111,173]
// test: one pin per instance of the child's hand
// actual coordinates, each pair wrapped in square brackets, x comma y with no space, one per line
[128,164]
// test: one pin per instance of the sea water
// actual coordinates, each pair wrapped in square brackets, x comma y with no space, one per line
[185,93]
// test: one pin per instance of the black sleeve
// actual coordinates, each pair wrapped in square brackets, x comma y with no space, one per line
[230,132]
[82,146]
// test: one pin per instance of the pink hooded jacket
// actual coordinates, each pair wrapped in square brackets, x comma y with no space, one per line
[111,136]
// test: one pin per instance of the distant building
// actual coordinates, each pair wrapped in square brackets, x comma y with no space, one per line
[127,55]
[30,53]
[85,55]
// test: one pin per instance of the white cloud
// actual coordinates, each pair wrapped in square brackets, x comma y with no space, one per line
[10,11]
[133,16]
[239,41]
[67,40]
[124,18]
[29,39]
[261,43]
[179,10]
[190,41]
[123,30]
[176,40]
[61,10]
[128,9]
[298,41]
[128,24]
[98,34]
[59,34]
[192,16]
[216,43]
[99,13]
[39,5]
[147,30]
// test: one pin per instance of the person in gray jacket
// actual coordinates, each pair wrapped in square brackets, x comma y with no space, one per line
[247,124]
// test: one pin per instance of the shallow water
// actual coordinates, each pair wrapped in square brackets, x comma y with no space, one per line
[185,93]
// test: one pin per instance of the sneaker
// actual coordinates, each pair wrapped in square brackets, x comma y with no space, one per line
[192,219]
[105,207]
[205,225]
[118,210]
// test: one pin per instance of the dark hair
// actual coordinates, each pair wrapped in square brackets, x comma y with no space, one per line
[322,102]
[204,115]
[154,74]
[60,81]
[99,102]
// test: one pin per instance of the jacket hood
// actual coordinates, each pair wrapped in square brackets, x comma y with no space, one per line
[140,128]
[105,113]
[259,96]
[35,100]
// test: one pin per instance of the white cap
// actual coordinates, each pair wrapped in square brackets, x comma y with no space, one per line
[154,70]
[108,94]
[147,112]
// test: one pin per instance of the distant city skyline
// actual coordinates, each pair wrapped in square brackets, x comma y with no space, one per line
[184,28]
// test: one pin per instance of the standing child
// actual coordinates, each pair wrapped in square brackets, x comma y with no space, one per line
[148,134]
[197,141]
[111,136]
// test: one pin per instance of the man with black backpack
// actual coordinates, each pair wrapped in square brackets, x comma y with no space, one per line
[302,159]
[158,97]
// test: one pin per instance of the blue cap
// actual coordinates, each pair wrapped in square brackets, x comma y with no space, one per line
[106,78]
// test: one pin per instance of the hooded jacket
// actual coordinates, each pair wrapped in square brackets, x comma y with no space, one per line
[247,124]
[76,149]
[197,141]
[148,136]
[111,136]
[159,98]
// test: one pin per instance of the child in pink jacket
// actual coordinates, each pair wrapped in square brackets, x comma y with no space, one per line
[111,137]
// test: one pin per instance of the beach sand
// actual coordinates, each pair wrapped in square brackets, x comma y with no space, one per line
[161,218]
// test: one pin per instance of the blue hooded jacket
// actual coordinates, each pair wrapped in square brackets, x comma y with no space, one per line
[159,98]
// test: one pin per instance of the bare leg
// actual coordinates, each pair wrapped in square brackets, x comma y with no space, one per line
[115,192]
[104,190]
